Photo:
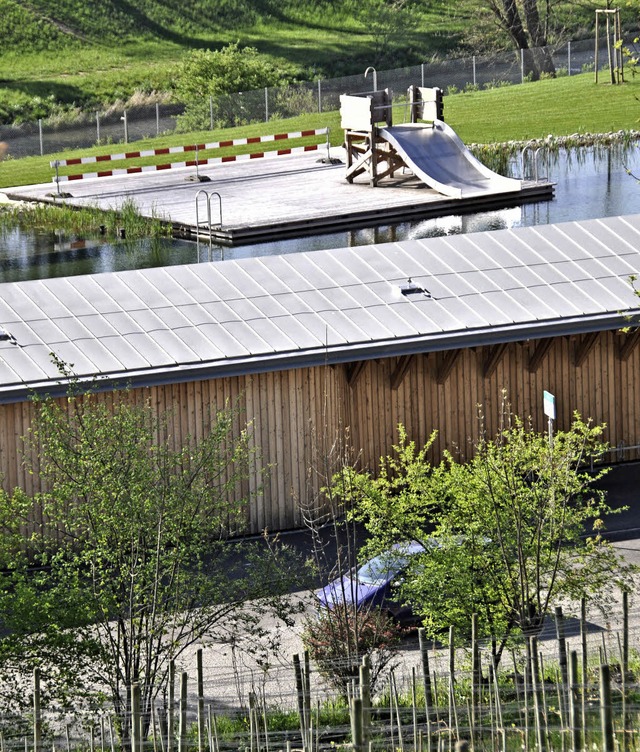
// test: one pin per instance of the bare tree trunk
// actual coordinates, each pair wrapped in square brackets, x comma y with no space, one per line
[544,61]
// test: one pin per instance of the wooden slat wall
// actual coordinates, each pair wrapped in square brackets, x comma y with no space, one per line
[296,416]
[604,388]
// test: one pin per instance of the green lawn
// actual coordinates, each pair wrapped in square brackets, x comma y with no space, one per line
[560,106]
[557,106]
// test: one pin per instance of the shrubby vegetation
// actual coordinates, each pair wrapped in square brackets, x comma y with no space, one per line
[126,564]
[207,83]
[505,535]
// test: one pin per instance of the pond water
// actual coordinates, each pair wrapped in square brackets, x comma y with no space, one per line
[590,183]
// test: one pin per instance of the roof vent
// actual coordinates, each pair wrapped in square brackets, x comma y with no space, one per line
[5,336]
[410,288]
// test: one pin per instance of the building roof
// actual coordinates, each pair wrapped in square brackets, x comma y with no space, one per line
[181,323]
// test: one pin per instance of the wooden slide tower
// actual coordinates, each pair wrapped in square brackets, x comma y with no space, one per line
[362,117]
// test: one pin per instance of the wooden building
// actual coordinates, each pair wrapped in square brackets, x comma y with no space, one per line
[345,343]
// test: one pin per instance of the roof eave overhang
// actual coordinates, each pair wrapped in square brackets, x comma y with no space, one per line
[329,355]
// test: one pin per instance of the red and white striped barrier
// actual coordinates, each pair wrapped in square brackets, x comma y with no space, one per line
[190,163]
[180,149]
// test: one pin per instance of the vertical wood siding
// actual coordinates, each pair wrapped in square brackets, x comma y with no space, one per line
[296,416]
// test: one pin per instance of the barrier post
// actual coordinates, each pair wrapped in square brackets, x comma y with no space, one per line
[319,95]
[157,118]
[40,134]
[56,164]
[474,70]
[97,127]
[266,104]
[126,127]
[211,112]
[569,58]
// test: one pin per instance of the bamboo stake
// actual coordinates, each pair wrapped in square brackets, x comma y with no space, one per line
[182,729]
[606,710]
[365,694]
[37,712]
[562,656]
[414,705]
[307,694]
[200,679]
[356,724]
[160,734]
[528,687]
[301,702]
[498,704]
[475,677]
[559,692]
[583,643]
[391,712]
[624,661]
[426,677]
[170,709]
[153,729]
[135,718]
[210,730]
[574,704]
[397,705]
[112,741]
[436,704]
[545,705]
[252,725]
[452,658]
[537,695]
[265,721]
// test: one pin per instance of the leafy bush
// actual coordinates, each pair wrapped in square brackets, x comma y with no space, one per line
[207,82]
[337,639]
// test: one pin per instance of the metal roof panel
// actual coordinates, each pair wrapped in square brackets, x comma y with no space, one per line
[325,306]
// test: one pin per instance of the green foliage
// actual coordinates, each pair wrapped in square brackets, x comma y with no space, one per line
[86,220]
[128,544]
[210,79]
[337,643]
[507,534]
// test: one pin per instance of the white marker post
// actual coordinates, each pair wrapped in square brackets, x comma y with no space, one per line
[549,404]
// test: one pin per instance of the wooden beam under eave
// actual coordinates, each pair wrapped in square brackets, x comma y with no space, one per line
[584,347]
[541,349]
[445,365]
[493,358]
[400,371]
[630,343]
[353,372]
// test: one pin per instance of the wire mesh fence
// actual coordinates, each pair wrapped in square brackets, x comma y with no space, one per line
[120,125]
[583,685]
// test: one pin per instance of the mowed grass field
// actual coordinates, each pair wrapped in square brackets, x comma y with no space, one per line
[559,107]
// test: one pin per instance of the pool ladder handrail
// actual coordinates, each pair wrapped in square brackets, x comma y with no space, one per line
[208,197]
[536,153]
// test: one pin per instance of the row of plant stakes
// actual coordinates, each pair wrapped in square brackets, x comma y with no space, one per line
[547,694]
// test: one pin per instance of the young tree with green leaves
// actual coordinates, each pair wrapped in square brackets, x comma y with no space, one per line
[208,82]
[128,563]
[506,535]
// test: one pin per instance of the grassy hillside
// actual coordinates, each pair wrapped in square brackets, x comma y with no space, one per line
[59,54]
[89,52]
[561,106]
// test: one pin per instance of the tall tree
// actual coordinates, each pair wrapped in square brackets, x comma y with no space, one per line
[527,28]
[128,556]
[505,535]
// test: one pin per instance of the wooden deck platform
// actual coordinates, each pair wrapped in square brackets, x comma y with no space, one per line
[271,199]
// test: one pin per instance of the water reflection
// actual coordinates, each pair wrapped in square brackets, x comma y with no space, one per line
[590,183]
